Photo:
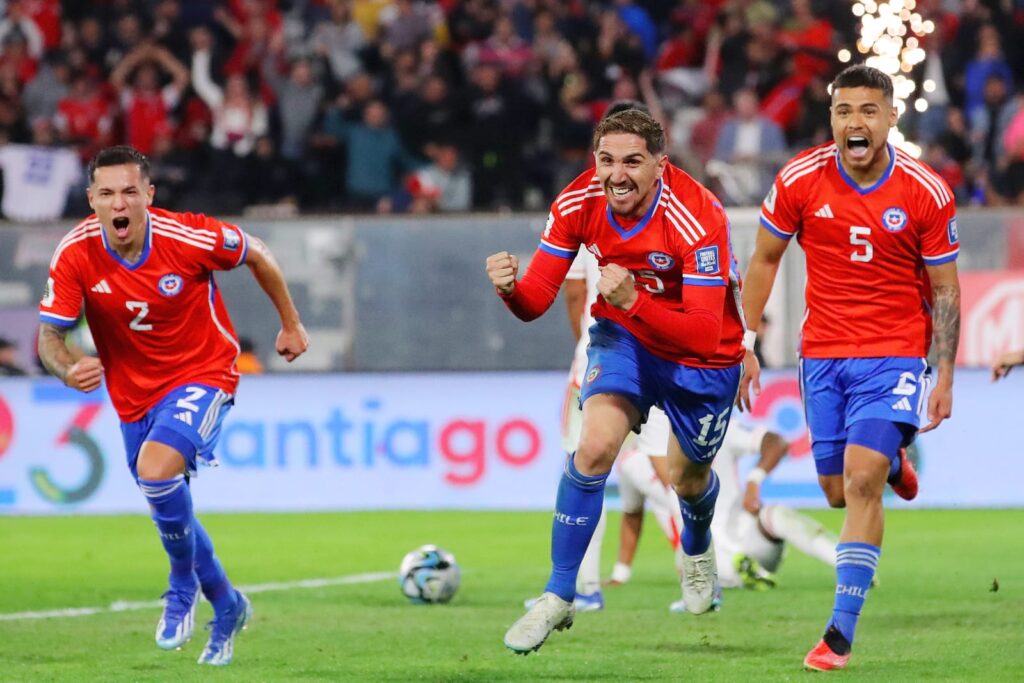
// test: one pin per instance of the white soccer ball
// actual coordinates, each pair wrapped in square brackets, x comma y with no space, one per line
[429,575]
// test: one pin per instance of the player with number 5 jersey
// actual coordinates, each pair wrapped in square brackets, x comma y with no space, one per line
[879,231]
[167,351]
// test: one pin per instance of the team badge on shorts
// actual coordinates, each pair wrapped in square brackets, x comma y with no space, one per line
[593,373]
[659,260]
[894,219]
[231,238]
[170,284]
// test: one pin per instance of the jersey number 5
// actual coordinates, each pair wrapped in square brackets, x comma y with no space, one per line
[143,310]
[858,238]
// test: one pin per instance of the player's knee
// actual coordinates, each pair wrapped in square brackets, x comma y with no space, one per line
[862,484]
[595,455]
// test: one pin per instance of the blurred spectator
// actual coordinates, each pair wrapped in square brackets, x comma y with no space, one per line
[813,126]
[339,40]
[83,118]
[988,64]
[375,156]
[989,122]
[502,48]
[750,150]
[298,103]
[1012,161]
[239,117]
[955,139]
[146,105]
[706,131]
[170,168]
[938,158]
[269,181]
[9,360]
[809,39]
[44,92]
[404,24]
[443,185]
[16,56]
[501,121]
[638,22]
[38,177]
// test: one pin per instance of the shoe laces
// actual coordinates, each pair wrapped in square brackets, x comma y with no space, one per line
[177,603]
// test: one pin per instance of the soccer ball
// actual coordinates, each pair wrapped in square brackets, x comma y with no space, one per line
[429,575]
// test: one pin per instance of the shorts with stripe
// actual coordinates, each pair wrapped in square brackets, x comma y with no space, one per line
[187,419]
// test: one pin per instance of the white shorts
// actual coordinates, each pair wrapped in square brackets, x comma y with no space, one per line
[652,440]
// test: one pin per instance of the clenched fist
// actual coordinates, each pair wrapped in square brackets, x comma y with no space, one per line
[617,286]
[502,268]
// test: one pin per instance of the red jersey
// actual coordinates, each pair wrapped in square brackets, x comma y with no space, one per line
[160,322]
[679,254]
[868,294]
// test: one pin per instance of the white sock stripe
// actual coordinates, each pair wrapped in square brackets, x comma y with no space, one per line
[856,558]
[160,489]
[583,482]
[857,555]
[841,564]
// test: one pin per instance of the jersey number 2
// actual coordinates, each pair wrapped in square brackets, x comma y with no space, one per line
[858,238]
[143,310]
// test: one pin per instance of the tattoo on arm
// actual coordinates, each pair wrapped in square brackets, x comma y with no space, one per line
[53,350]
[946,322]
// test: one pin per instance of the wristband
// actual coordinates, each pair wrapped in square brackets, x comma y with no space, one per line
[756,476]
[621,573]
[749,337]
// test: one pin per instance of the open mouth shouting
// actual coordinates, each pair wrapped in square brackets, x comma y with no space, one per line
[121,226]
[858,147]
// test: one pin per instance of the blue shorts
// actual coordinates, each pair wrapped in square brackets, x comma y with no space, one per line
[839,392]
[187,419]
[698,401]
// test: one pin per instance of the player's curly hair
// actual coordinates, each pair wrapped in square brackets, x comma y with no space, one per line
[633,121]
[864,76]
[116,156]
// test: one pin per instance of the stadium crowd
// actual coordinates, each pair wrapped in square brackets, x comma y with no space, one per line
[454,105]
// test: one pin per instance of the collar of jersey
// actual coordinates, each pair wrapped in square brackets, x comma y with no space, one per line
[626,234]
[146,245]
[878,183]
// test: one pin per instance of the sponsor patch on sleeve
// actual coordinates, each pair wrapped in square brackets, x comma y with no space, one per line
[769,200]
[231,238]
[707,260]
[954,235]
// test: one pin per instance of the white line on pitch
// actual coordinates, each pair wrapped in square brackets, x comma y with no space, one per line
[124,605]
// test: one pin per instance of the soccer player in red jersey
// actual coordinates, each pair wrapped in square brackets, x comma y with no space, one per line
[668,332]
[879,232]
[167,351]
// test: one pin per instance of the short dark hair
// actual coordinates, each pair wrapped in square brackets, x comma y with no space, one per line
[864,76]
[633,121]
[117,156]
[625,105]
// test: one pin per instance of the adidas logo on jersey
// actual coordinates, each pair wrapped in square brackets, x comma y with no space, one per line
[902,404]
[184,416]
[825,212]
[102,287]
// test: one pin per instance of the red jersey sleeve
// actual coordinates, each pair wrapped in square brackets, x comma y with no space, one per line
[62,297]
[223,245]
[940,241]
[538,288]
[783,205]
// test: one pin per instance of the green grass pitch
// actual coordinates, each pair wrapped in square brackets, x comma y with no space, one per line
[934,617]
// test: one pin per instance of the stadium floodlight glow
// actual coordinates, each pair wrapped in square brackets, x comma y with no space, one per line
[890,33]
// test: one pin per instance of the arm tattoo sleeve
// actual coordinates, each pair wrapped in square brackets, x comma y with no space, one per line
[946,319]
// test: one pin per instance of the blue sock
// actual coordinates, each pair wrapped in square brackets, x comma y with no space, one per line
[170,505]
[577,512]
[697,518]
[216,586]
[855,567]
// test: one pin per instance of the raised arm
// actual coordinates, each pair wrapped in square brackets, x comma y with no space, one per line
[81,372]
[757,286]
[946,339]
[292,340]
